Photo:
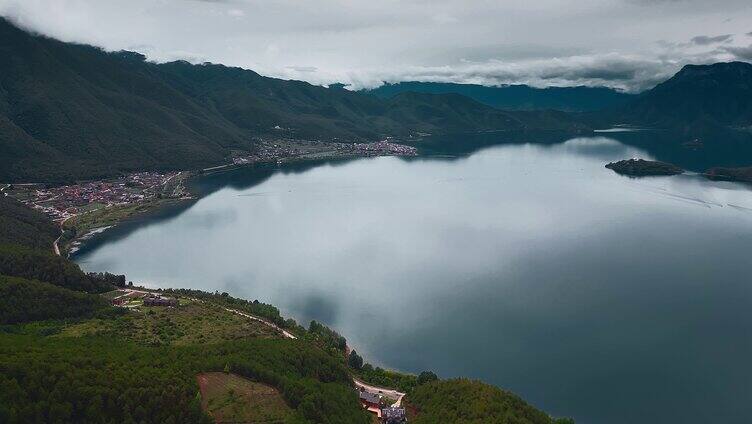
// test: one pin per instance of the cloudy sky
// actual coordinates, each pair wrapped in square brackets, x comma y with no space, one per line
[627,44]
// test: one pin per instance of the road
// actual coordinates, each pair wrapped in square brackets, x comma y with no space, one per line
[390,393]
[55,247]
[269,323]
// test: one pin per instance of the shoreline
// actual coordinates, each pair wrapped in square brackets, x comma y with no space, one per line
[75,244]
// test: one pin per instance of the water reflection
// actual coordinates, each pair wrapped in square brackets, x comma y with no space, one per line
[530,266]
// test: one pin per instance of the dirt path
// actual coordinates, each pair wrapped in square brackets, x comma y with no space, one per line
[391,393]
[380,390]
[271,324]
[55,247]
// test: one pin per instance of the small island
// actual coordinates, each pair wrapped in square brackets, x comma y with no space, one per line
[643,168]
[743,174]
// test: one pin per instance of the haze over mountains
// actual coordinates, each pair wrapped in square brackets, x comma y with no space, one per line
[80,112]
[697,97]
[517,97]
[70,111]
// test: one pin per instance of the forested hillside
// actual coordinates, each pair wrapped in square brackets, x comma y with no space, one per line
[516,97]
[74,111]
[23,226]
[697,98]
[67,355]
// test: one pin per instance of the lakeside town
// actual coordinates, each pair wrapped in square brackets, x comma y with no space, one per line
[63,202]
[100,204]
[281,151]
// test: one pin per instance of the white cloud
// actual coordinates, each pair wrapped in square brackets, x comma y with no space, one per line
[362,42]
[704,40]
[236,13]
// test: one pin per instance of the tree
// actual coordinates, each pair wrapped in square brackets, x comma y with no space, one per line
[427,377]
[355,361]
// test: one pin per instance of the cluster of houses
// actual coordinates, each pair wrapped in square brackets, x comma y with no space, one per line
[159,300]
[149,299]
[375,404]
[269,151]
[62,202]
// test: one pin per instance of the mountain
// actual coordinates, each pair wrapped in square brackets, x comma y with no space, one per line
[71,111]
[516,97]
[697,98]
[434,113]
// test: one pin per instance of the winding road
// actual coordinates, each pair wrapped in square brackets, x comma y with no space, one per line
[390,393]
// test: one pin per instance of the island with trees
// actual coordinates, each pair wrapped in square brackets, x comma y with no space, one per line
[643,168]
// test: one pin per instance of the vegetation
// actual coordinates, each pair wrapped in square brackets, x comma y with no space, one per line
[465,401]
[263,310]
[33,264]
[386,378]
[191,323]
[231,398]
[642,168]
[427,377]
[66,355]
[26,227]
[134,115]
[697,98]
[84,223]
[730,174]
[326,338]
[94,379]
[516,97]
[354,361]
[28,300]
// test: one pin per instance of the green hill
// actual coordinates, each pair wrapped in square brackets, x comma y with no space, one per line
[698,98]
[516,97]
[463,401]
[68,356]
[72,111]
[23,226]
[29,300]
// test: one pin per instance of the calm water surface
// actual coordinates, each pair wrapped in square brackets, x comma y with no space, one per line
[532,267]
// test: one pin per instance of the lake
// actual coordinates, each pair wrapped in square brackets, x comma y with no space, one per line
[528,266]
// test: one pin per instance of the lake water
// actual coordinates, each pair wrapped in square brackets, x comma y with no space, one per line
[529,266]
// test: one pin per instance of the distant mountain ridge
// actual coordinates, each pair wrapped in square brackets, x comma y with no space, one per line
[516,97]
[71,111]
[697,98]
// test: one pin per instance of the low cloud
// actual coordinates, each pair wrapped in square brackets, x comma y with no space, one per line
[704,40]
[364,43]
[630,73]
[740,53]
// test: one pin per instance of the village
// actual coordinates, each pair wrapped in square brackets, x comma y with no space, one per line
[62,202]
[290,150]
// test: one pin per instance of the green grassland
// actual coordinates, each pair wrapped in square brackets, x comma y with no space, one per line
[111,215]
[191,323]
[229,398]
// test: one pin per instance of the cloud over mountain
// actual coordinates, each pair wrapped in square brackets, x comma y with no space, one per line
[627,44]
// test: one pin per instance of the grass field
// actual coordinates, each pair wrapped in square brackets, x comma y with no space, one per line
[190,323]
[229,398]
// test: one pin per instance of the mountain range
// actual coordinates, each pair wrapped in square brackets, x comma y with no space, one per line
[72,111]
[696,98]
[516,97]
